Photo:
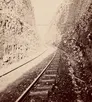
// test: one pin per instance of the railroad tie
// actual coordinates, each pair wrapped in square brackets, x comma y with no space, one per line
[49,71]
[49,76]
[38,93]
[41,88]
[47,81]
[38,96]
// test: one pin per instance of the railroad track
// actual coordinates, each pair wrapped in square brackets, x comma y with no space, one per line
[40,88]
[22,65]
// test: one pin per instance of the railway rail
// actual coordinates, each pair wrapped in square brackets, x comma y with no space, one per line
[40,88]
[22,65]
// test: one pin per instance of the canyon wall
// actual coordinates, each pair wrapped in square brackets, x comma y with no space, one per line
[76,29]
[76,43]
[68,13]
[18,37]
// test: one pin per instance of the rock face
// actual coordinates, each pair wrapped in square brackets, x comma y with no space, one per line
[70,12]
[18,38]
[74,79]
[75,26]
[76,43]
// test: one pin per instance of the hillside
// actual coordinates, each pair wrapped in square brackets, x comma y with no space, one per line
[18,37]
[76,44]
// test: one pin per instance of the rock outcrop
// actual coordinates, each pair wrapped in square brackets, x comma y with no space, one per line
[76,44]
[76,29]
[18,38]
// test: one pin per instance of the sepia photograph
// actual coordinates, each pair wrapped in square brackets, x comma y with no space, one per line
[45,50]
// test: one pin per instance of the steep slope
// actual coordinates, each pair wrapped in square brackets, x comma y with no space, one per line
[74,81]
[72,10]
[18,38]
[76,30]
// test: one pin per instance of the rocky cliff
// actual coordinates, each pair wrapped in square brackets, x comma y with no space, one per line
[18,38]
[76,29]
[76,44]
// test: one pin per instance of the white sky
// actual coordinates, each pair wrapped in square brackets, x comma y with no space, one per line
[44,11]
